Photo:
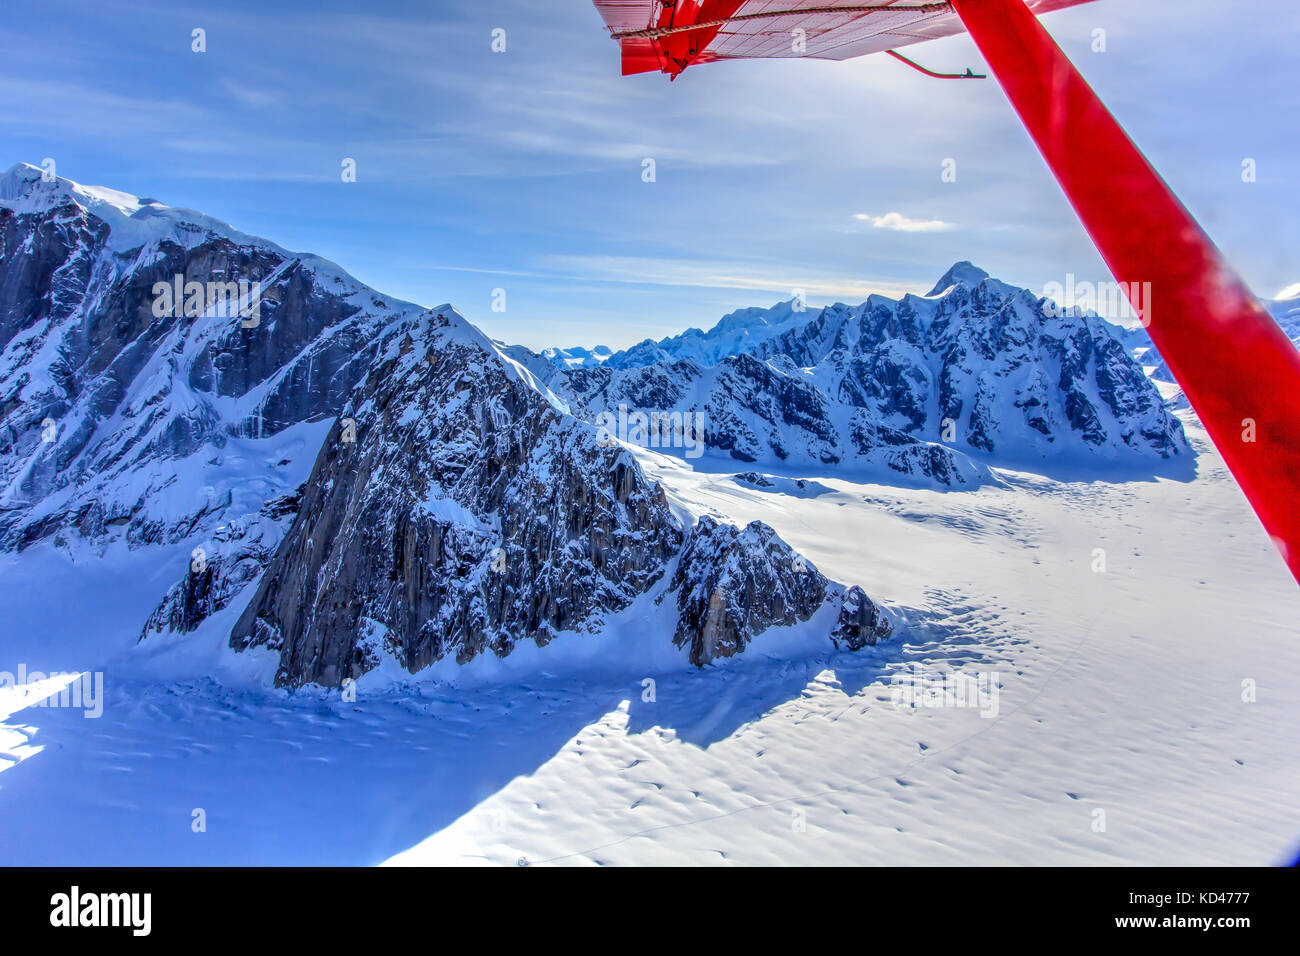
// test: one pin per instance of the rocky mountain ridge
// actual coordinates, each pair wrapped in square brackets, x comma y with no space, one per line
[368,479]
[935,389]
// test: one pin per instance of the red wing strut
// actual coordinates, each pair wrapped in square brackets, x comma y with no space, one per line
[1236,367]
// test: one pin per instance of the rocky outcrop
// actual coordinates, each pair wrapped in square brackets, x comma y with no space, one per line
[207,587]
[861,623]
[732,584]
[472,512]
[235,557]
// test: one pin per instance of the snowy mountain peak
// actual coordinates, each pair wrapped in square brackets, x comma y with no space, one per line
[577,357]
[735,333]
[962,273]
[17,180]
[133,222]
[116,395]
[443,328]
[752,318]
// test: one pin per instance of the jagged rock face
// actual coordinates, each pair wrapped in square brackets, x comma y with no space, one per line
[97,389]
[977,368]
[733,584]
[208,587]
[750,409]
[473,512]
[984,363]
[766,411]
[469,514]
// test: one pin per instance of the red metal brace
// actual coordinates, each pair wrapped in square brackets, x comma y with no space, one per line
[968,75]
[1236,367]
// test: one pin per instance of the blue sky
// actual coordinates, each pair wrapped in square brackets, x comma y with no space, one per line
[523,170]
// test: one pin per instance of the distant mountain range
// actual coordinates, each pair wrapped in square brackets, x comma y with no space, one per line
[933,388]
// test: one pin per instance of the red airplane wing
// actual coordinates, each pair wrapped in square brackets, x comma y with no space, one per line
[667,36]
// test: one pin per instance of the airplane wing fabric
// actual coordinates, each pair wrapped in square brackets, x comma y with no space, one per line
[670,35]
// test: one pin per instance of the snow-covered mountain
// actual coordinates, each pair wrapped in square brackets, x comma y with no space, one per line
[473,512]
[737,333]
[456,505]
[935,387]
[116,421]
[771,412]
[577,357]
[376,487]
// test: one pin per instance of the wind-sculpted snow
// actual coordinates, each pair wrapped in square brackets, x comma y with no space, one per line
[471,512]
[933,387]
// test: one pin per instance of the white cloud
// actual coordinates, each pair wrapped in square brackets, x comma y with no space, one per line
[897,222]
[249,96]
[751,277]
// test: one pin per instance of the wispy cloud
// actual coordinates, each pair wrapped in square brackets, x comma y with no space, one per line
[897,222]
[254,98]
[754,277]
